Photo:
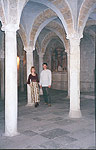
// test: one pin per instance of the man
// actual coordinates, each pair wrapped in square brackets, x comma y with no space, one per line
[45,84]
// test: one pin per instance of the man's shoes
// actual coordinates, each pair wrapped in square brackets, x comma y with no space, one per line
[36,105]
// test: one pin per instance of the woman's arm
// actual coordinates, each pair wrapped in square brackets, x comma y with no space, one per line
[28,82]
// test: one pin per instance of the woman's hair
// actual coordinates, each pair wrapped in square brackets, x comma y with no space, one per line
[32,68]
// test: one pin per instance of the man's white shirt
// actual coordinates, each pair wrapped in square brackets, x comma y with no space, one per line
[45,78]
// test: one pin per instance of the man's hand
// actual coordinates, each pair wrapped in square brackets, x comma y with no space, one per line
[49,86]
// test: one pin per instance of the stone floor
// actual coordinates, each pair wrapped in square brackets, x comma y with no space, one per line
[50,127]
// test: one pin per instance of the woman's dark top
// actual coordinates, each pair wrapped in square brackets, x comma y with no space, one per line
[33,78]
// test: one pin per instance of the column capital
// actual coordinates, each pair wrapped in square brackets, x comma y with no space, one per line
[28,49]
[1,54]
[40,54]
[75,36]
[10,27]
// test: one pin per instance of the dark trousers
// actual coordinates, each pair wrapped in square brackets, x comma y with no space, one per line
[46,95]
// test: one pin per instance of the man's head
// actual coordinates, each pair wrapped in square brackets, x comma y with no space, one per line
[45,66]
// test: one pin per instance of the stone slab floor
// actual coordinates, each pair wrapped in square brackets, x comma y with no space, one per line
[50,127]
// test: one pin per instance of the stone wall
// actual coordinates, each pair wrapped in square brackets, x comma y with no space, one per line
[59,81]
[87,64]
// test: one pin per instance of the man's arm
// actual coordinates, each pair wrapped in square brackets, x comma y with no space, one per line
[50,79]
[40,83]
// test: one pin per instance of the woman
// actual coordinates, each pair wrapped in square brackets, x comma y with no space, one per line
[33,81]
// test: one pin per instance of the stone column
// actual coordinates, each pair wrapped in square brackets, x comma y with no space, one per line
[29,60]
[75,77]
[2,74]
[68,62]
[40,61]
[40,68]
[11,80]
[68,72]
[21,74]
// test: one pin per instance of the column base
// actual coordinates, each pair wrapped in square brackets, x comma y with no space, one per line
[75,114]
[11,134]
[30,104]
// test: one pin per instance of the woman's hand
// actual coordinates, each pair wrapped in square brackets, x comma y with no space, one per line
[30,84]
[40,86]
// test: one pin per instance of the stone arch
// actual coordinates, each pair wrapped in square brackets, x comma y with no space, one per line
[58,34]
[85,10]
[37,46]
[62,9]
[39,30]
[91,22]
[46,40]
[66,11]
[90,33]
[40,22]
[59,30]
[23,36]
[37,26]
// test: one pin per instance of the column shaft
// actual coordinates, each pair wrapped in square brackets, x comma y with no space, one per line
[75,78]
[10,83]
[40,62]
[40,68]
[68,72]
[68,64]
[29,57]
[2,78]
[21,75]
[2,67]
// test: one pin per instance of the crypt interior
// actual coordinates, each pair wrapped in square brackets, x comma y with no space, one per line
[61,33]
